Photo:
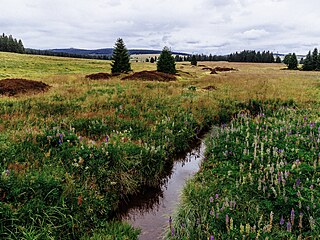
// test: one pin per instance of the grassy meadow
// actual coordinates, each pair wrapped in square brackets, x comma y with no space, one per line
[71,155]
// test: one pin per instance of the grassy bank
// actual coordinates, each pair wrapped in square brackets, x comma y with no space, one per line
[72,154]
[260,180]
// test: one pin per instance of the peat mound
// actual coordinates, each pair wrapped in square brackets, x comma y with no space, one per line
[210,88]
[14,86]
[207,68]
[224,69]
[151,76]
[99,76]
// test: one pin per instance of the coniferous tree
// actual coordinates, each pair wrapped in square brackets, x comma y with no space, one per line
[152,60]
[194,60]
[315,59]
[10,44]
[278,59]
[293,62]
[308,64]
[120,58]
[301,61]
[166,62]
[287,58]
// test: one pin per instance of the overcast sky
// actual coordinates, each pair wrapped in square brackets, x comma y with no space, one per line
[193,26]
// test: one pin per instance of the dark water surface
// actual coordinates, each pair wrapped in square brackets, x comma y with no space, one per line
[151,211]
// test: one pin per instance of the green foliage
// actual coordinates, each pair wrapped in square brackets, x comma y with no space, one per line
[278,59]
[166,62]
[120,58]
[312,61]
[10,44]
[193,60]
[259,180]
[291,61]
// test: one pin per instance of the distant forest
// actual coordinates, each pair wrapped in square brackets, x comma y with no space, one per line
[10,44]
[64,54]
[244,56]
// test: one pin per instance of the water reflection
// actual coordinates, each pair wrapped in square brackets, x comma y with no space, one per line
[151,209]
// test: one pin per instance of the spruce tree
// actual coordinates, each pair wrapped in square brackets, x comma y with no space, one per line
[278,59]
[194,60]
[307,63]
[120,58]
[293,62]
[315,59]
[166,62]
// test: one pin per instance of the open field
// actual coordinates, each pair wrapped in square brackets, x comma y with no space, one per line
[73,153]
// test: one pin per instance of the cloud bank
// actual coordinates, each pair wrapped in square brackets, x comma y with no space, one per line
[203,26]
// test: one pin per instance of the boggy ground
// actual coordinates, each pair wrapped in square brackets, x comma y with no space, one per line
[83,146]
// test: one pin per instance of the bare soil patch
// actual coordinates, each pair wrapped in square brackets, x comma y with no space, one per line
[210,88]
[224,69]
[100,76]
[151,76]
[207,68]
[14,86]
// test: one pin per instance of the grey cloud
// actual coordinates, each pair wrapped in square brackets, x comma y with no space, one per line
[216,26]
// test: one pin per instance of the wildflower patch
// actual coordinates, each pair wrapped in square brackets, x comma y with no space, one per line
[260,180]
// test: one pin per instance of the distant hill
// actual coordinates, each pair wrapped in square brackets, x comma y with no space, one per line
[108,51]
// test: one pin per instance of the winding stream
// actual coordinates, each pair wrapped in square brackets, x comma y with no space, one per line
[151,211]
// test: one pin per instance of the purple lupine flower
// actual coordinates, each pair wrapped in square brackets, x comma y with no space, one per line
[107,139]
[298,182]
[311,187]
[281,220]
[211,212]
[172,231]
[292,216]
[227,219]
[7,172]
[80,138]
[289,226]
[211,199]
[279,178]
[60,142]
[305,118]
[217,196]
[211,237]
[170,220]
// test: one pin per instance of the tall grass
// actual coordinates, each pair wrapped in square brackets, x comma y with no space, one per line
[70,155]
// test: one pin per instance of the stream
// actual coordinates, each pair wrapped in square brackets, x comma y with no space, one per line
[151,211]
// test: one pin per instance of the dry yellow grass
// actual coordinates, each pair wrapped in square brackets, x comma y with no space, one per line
[251,81]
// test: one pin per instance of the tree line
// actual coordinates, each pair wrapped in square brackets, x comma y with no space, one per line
[62,54]
[312,61]
[243,56]
[10,44]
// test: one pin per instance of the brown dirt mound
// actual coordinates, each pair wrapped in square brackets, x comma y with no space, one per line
[98,76]
[207,68]
[224,69]
[210,88]
[151,76]
[14,86]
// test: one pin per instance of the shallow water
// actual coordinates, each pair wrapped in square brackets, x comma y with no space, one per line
[151,211]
